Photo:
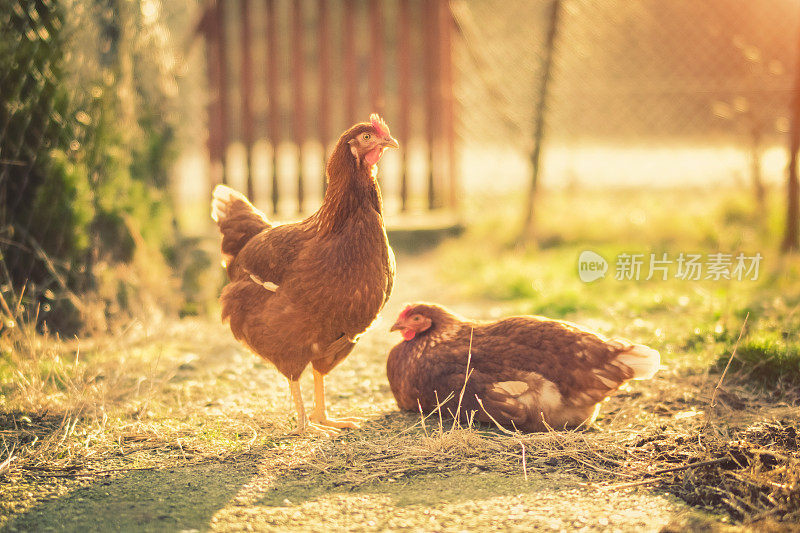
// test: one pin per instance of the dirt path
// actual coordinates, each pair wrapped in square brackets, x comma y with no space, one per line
[303,484]
[236,496]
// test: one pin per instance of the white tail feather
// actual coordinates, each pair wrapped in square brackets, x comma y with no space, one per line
[220,199]
[643,360]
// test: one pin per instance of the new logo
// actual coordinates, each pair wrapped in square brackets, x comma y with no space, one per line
[591,266]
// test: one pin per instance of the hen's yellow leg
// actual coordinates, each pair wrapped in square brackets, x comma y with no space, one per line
[304,427]
[320,415]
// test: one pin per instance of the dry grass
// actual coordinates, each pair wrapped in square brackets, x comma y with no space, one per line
[182,394]
[73,410]
[85,418]
[712,457]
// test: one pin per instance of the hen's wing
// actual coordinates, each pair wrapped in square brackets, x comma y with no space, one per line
[447,383]
[566,354]
[270,255]
[392,270]
[524,369]
[251,245]
[512,397]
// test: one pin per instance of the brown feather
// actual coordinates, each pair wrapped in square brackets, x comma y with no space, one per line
[302,293]
[530,372]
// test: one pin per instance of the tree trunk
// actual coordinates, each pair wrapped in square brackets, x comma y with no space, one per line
[791,236]
[528,227]
[759,190]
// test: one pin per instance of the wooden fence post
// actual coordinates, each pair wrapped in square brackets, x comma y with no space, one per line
[219,88]
[349,12]
[208,27]
[298,88]
[324,84]
[431,42]
[448,101]
[376,76]
[274,106]
[404,86]
[247,94]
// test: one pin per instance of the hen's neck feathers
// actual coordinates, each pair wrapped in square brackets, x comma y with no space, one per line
[443,323]
[350,188]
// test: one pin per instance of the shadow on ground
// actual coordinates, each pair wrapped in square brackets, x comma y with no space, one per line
[479,501]
[270,490]
[183,498]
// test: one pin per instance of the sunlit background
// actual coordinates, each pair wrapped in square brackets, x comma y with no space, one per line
[120,115]
[652,124]
[640,93]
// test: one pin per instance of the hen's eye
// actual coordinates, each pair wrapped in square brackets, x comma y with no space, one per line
[367,136]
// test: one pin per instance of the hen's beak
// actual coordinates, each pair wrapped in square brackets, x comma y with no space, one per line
[397,326]
[390,142]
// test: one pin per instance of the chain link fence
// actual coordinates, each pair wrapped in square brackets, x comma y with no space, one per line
[646,92]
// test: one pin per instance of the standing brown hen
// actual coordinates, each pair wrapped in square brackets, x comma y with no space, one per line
[527,372]
[303,293]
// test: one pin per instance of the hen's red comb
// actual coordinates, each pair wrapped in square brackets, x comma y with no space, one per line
[406,311]
[379,125]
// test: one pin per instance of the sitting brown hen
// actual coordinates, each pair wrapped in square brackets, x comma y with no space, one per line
[528,372]
[303,293]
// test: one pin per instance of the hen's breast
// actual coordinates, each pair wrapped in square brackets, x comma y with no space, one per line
[343,277]
[402,371]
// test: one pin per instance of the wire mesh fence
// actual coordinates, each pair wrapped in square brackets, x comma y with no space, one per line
[642,92]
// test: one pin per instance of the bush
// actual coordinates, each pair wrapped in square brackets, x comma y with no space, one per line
[88,152]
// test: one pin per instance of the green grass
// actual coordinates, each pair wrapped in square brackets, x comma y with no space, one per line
[768,359]
[693,323]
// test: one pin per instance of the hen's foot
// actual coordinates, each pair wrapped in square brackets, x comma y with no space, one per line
[351,422]
[316,430]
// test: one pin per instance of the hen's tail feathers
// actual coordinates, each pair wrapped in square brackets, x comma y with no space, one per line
[238,219]
[643,360]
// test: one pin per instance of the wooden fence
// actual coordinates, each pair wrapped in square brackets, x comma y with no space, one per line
[276,67]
